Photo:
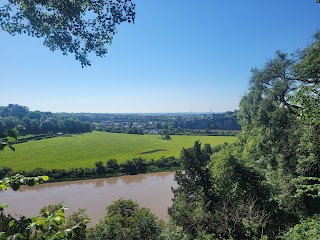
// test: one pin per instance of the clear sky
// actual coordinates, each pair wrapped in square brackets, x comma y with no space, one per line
[179,56]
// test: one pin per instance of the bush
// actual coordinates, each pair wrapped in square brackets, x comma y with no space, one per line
[126,220]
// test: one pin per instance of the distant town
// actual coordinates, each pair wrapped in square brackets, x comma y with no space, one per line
[37,122]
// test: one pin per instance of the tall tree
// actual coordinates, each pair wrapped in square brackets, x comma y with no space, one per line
[280,121]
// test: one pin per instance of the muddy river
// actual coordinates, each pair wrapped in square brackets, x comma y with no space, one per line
[149,190]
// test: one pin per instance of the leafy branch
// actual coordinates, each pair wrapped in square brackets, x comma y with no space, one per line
[77,27]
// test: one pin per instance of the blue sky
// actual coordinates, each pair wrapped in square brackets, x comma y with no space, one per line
[179,56]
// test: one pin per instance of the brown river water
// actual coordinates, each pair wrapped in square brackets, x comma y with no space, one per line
[149,190]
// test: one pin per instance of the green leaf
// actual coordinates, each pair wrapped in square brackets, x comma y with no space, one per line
[45,178]
[3,187]
[4,205]
[11,223]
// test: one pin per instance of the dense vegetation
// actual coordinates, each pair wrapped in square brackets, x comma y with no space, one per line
[36,122]
[266,185]
[269,180]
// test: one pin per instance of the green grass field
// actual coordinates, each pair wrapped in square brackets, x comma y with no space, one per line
[84,150]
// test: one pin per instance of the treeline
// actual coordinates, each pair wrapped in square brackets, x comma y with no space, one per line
[101,170]
[221,121]
[175,124]
[36,122]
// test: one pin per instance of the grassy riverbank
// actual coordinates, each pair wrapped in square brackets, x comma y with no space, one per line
[83,150]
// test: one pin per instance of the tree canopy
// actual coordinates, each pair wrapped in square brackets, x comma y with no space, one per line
[268,183]
[126,220]
[77,27]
